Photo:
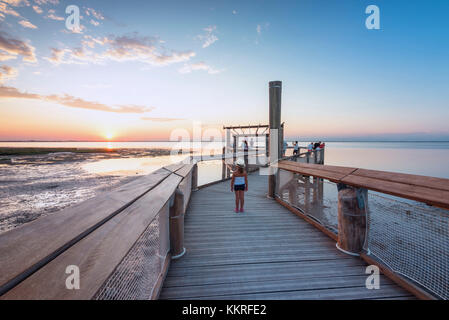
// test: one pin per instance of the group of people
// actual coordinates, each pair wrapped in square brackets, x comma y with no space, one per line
[315,146]
[311,147]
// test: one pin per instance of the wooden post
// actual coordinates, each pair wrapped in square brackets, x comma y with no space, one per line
[234,149]
[322,156]
[275,146]
[352,208]
[308,156]
[223,164]
[195,177]
[267,145]
[315,189]
[177,226]
[307,194]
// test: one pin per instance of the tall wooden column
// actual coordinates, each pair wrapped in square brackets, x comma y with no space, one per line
[275,93]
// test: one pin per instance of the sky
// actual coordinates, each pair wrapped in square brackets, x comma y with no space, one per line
[137,70]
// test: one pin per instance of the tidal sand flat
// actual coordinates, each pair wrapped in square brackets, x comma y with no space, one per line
[36,182]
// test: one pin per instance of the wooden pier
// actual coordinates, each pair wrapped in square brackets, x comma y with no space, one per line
[163,236]
[264,253]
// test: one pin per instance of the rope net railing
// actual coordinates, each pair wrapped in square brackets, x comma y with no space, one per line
[136,277]
[409,237]
[315,197]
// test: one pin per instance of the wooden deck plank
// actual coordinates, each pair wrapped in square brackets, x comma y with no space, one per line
[265,253]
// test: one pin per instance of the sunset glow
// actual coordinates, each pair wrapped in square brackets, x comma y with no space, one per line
[130,75]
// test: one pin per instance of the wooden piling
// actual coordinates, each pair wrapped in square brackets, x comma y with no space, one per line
[352,208]
[177,249]
[195,177]
[275,146]
[223,164]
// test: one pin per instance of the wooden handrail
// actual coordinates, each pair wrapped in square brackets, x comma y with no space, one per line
[430,190]
[94,235]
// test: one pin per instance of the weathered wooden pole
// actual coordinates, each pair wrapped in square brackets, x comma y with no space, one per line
[267,145]
[275,146]
[177,226]
[223,164]
[195,177]
[307,194]
[234,149]
[352,209]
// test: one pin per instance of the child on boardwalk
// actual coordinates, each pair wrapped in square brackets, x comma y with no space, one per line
[239,184]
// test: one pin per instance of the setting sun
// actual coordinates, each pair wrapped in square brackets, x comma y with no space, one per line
[109,135]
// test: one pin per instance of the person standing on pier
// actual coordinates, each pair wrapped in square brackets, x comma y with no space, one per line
[296,148]
[239,185]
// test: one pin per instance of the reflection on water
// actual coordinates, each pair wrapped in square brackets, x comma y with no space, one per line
[130,166]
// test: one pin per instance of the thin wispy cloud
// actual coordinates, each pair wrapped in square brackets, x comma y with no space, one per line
[209,37]
[71,101]
[53,16]
[27,24]
[38,9]
[154,119]
[11,48]
[7,72]
[121,49]
[5,10]
[188,68]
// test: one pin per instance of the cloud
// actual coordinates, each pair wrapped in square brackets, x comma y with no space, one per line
[160,119]
[209,38]
[188,68]
[259,29]
[123,48]
[234,12]
[16,3]
[7,72]
[11,48]
[52,15]
[27,24]
[71,101]
[97,15]
[6,10]
[38,9]
[44,2]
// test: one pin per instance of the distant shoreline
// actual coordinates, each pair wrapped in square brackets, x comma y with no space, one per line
[152,141]
[26,151]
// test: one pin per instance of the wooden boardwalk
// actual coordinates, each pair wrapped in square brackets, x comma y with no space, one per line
[265,253]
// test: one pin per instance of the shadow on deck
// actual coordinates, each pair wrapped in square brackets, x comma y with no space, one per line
[265,253]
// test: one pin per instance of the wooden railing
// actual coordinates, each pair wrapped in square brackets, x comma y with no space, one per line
[353,215]
[96,237]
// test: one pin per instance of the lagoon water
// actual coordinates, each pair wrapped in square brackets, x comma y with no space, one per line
[38,185]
